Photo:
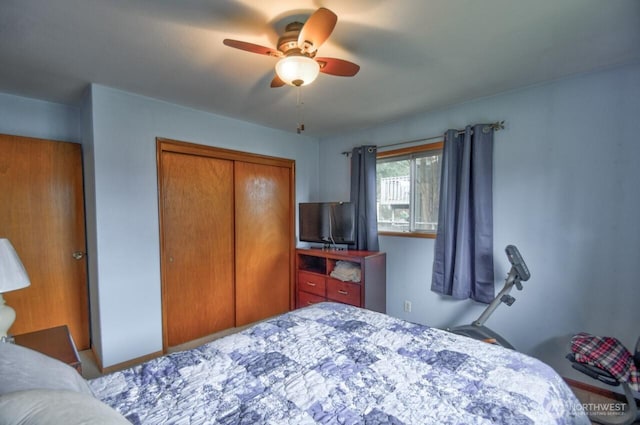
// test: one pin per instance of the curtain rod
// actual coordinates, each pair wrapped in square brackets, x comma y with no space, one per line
[496,126]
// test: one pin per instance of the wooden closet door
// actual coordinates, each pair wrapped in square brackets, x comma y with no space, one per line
[42,214]
[263,241]
[197,246]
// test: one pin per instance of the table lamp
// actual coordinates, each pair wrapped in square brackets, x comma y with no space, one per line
[12,276]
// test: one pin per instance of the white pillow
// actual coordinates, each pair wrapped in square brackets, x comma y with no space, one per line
[56,407]
[24,369]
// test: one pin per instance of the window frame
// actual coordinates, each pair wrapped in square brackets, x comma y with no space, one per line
[409,152]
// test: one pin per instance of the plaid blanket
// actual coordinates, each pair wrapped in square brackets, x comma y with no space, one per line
[608,354]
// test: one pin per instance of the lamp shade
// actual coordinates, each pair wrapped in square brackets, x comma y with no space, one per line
[12,273]
[297,70]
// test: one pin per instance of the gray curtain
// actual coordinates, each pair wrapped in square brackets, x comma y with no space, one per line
[463,263]
[363,196]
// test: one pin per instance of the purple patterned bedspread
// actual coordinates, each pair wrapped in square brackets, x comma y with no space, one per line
[337,364]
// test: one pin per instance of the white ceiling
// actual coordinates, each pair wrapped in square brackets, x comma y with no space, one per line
[415,55]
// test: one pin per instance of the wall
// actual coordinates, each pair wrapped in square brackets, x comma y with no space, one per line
[26,117]
[88,154]
[118,132]
[565,192]
[125,258]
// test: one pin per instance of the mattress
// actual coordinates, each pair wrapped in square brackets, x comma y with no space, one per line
[337,364]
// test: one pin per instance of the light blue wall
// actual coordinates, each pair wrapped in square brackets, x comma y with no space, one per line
[566,192]
[88,153]
[21,116]
[125,128]
[118,132]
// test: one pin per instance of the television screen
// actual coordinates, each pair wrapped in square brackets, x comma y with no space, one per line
[342,222]
[327,222]
[310,217]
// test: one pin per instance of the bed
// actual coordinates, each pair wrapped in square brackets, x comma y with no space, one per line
[337,364]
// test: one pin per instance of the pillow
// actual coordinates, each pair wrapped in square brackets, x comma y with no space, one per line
[24,369]
[55,407]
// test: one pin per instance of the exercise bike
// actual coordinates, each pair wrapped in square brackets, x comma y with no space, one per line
[477,330]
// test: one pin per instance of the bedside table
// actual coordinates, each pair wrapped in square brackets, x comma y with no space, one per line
[54,342]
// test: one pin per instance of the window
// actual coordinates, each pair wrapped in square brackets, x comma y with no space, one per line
[408,190]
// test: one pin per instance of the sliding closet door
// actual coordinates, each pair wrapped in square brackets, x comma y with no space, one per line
[227,238]
[263,199]
[197,246]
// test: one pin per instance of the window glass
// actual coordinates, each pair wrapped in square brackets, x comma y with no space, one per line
[427,192]
[408,188]
[393,177]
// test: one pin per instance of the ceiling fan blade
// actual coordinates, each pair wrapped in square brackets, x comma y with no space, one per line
[250,47]
[338,67]
[317,29]
[277,82]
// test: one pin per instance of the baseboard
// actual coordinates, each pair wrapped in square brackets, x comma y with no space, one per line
[599,391]
[96,358]
[127,364]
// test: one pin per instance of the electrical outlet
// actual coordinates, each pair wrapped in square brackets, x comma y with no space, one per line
[407,306]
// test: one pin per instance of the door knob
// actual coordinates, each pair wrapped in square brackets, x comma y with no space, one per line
[78,255]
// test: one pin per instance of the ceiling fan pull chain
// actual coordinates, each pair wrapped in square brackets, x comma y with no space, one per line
[299,108]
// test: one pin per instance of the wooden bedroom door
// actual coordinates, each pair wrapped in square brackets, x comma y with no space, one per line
[197,246]
[264,236]
[42,214]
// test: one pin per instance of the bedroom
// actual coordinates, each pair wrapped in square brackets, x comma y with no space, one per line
[565,193]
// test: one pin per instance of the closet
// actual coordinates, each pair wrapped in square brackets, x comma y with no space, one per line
[227,238]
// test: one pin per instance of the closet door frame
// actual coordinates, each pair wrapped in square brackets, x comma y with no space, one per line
[175,146]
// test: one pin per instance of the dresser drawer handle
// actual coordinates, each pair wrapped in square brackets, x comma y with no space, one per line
[311,284]
[343,292]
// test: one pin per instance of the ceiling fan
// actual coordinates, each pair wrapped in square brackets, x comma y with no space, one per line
[297,48]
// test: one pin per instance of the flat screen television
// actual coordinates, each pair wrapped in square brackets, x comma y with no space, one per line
[327,222]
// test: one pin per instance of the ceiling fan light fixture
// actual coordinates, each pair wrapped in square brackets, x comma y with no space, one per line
[297,70]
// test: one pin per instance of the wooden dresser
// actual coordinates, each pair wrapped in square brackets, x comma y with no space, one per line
[315,284]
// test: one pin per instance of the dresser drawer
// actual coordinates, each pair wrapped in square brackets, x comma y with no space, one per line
[312,283]
[344,292]
[305,299]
